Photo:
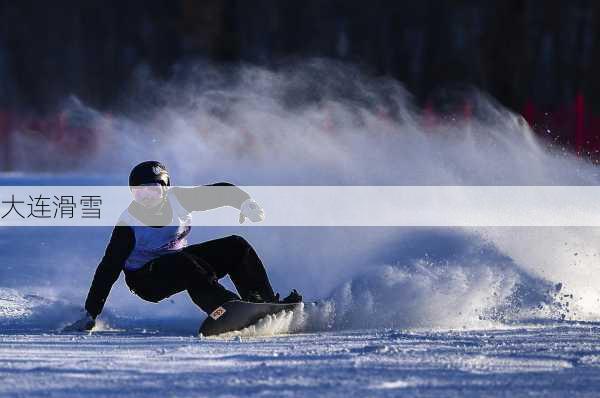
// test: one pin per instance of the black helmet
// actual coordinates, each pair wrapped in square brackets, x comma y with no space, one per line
[149,172]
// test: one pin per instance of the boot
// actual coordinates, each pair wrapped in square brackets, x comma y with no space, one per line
[293,297]
[254,296]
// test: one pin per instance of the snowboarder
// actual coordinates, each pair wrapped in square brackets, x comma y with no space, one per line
[149,243]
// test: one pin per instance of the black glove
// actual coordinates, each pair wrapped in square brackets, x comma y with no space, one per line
[87,322]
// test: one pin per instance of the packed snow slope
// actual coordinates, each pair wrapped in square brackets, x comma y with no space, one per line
[548,360]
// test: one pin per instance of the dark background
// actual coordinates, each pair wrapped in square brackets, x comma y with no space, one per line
[540,58]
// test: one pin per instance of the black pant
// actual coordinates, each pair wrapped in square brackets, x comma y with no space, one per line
[198,268]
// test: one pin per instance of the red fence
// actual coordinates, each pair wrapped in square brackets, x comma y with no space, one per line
[5,140]
[572,125]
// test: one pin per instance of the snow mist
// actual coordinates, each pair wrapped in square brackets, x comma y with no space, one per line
[322,123]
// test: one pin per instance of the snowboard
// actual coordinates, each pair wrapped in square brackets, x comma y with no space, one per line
[236,315]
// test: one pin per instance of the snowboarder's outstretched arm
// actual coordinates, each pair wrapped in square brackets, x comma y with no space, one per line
[206,197]
[117,251]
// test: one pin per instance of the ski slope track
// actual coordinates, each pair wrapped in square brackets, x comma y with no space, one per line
[280,357]
[556,359]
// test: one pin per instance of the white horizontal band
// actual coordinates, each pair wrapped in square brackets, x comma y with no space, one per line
[459,206]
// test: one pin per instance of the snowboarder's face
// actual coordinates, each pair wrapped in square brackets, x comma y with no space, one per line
[148,195]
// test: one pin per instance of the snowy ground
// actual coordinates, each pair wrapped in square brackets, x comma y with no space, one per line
[554,359]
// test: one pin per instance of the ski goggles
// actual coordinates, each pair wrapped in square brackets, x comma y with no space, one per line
[142,193]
